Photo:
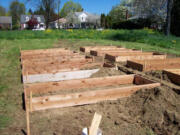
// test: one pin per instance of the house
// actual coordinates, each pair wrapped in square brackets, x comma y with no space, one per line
[25,18]
[83,20]
[60,23]
[5,22]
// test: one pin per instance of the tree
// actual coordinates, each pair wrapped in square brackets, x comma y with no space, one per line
[30,11]
[118,13]
[32,23]
[69,7]
[48,6]
[168,18]
[175,21]
[103,20]
[2,11]
[58,3]
[108,22]
[16,9]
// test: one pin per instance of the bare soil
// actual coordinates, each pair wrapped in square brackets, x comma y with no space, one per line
[147,112]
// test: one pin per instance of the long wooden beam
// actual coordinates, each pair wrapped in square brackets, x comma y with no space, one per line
[39,88]
[118,50]
[173,75]
[82,98]
[43,51]
[133,56]
[54,59]
[49,55]
[59,68]
[160,64]
[50,63]
[88,48]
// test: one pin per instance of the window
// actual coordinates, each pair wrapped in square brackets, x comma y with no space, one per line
[27,18]
[38,19]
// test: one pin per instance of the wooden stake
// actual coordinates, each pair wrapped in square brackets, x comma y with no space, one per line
[116,67]
[27,113]
[103,60]
[95,124]
[30,101]
[93,58]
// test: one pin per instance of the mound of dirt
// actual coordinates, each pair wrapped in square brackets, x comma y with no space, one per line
[107,72]
[158,109]
[147,112]
[158,74]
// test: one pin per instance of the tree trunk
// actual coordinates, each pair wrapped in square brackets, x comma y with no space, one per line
[168,18]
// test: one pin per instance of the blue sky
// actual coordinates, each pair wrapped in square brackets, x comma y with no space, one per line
[92,6]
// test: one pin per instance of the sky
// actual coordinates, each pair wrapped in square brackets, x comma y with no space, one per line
[91,6]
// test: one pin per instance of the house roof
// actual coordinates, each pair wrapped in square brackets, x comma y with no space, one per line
[61,20]
[23,18]
[6,19]
[88,14]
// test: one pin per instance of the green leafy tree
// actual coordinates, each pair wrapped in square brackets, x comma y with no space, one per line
[118,13]
[2,11]
[69,7]
[30,12]
[108,21]
[103,20]
[46,8]
[16,9]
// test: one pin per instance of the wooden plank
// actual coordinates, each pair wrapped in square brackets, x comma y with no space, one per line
[118,50]
[60,76]
[43,51]
[43,64]
[27,113]
[49,55]
[82,98]
[88,48]
[95,124]
[39,88]
[55,59]
[160,64]
[173,75]
[53,69]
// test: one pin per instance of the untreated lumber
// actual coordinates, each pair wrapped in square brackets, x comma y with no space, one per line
[49,55]
[60,76]
[173,75]
[40,88]
[95,124]
[87,97]
[43,51]
[133,56]
[148,65]
[116,51]
[87,49]
[55,59]
[60,68]
[82,98]
[50,63]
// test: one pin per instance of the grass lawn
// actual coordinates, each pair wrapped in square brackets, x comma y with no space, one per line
[11,88]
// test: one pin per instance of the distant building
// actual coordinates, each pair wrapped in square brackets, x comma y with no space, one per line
[25,18]
[60,23]
[83,20]
[5,22]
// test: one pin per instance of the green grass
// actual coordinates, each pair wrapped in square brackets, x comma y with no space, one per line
[146,36]
[11,88]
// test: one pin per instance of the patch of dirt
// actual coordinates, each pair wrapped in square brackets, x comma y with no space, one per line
[107,72]
[148,110]
[158,74]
